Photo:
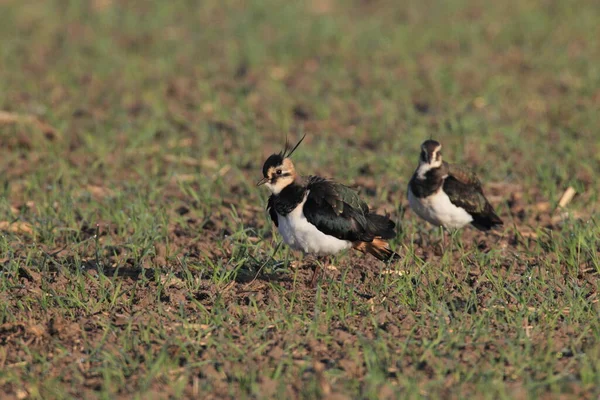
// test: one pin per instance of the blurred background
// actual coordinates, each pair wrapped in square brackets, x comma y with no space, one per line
[511,87]
[131,137]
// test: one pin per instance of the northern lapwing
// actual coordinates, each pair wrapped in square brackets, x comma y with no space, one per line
[448,195]
[321,217]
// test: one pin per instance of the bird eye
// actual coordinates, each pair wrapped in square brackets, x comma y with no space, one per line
[278,172]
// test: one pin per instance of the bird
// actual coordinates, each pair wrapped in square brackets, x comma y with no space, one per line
[321,217]
[447,195]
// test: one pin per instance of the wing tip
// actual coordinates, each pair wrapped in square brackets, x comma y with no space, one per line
[381,226]
[487,222]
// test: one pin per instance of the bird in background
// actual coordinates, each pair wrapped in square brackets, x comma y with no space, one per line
[321,217]
[448,195]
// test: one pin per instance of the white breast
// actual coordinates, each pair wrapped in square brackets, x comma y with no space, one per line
[438,210]
[300,234]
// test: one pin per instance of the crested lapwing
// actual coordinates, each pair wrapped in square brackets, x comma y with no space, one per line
[321,217]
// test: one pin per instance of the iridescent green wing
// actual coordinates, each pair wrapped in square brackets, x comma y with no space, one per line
[336,210]
[350,198]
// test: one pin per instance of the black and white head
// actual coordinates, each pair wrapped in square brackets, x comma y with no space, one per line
[430,158]
[278,170]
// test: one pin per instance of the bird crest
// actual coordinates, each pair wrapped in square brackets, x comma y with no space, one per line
[286,153]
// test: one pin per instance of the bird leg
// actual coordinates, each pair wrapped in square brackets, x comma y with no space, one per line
[311,260]
[318,269]
[453,239]
[422,237]
[315,276]
[443,239]
[440,243]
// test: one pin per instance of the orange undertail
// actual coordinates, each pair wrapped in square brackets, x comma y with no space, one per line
[378,248]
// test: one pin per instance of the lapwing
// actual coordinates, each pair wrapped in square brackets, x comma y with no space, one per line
[321,217]
[448,195]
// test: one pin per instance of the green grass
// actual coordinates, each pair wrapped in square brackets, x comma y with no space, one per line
[136,259]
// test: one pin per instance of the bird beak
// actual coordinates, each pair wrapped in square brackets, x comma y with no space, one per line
[262,181]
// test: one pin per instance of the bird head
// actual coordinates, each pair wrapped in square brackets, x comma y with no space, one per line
[278,169]
[431,154]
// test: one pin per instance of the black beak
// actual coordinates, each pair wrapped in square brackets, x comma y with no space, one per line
[262,181]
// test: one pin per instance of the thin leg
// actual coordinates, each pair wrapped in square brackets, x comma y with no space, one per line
[421,238]
[443,239]
[309,259]
[453,234]
[315,276]
[318,269]
[312,260]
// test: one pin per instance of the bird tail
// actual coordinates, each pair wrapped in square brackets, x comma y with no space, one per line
[495,220]
[488,220]
[381,226]
[379,249]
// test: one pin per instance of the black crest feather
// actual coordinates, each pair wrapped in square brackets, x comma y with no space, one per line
[285,153]
[277,159]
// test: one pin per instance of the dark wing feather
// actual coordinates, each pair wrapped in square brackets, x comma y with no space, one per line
[465,196]
[464,190]
[338,211]
[271,210]
[463,174]
[327,209]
